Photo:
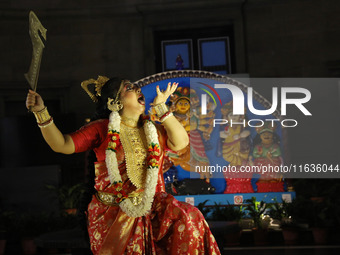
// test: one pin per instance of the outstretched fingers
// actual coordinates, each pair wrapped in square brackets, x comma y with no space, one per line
[173,87]
[162,95]
[158,90]
[168,88]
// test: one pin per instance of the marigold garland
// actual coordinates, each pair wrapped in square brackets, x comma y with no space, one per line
[119,193]
[113,140]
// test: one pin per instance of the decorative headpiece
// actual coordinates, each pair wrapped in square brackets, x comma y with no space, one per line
[115,105]
[267,127]
[181,92]
[99,83]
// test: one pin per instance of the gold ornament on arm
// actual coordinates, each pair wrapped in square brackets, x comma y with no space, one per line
[99,83]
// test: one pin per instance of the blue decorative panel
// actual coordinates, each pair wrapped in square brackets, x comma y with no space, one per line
[220,146]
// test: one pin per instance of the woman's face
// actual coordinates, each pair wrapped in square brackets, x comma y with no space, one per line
[132,98]
[267,137]
[182,106]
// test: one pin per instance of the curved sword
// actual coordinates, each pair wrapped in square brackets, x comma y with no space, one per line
[38,46]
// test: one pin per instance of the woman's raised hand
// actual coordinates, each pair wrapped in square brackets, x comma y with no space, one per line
[34,101]
[162,96]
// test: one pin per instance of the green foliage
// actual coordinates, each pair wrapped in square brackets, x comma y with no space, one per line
[204,210]
[221,212]
[284,209]
[256,209]
[227,213]
[286,212]
[69,196]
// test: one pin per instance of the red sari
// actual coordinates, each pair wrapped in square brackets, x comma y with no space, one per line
[172,227]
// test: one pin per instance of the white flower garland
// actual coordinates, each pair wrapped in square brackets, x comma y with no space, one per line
[152,172]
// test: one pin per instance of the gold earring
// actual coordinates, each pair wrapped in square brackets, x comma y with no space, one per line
[99,83]
[114,105]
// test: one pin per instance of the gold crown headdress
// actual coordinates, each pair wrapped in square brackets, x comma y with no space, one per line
[181,92]
[99,83]
[267,127]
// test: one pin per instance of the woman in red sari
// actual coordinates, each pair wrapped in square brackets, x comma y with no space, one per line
[130,213]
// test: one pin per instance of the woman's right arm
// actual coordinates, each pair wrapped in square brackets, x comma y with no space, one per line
[55,139]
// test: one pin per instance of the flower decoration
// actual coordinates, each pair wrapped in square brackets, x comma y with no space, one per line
[147,196]
[120,194]
[153,115]
[113,140]
[154,155]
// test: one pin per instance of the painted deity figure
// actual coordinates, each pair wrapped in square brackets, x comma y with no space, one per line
[203,123]
[181,107]
[267,153]
[185,106]
[235,150]
[235,144]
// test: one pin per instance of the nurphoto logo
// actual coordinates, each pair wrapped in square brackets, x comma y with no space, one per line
[239,105]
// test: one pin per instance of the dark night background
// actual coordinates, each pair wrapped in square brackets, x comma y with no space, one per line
[269,38]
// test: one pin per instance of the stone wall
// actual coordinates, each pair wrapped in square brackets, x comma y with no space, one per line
[292,38]
[273,38]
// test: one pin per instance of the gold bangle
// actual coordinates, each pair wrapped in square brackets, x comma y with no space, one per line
[161,109]
[46,124]
[165,116]
[42,116]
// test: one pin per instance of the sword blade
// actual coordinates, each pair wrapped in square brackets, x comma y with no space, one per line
[36,31]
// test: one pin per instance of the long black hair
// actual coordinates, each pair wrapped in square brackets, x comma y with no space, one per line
[109,90]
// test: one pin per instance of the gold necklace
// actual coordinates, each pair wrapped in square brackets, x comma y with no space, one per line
[135,149]
[129,122]
[153,157]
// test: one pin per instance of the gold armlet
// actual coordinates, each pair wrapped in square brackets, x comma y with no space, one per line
[42,116]
[161,109]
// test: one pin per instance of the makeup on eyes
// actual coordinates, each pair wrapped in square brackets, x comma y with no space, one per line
[129,86]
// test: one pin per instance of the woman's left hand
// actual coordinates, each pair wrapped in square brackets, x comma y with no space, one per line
[162,96]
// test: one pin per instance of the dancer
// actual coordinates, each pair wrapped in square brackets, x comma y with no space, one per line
[130,213]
